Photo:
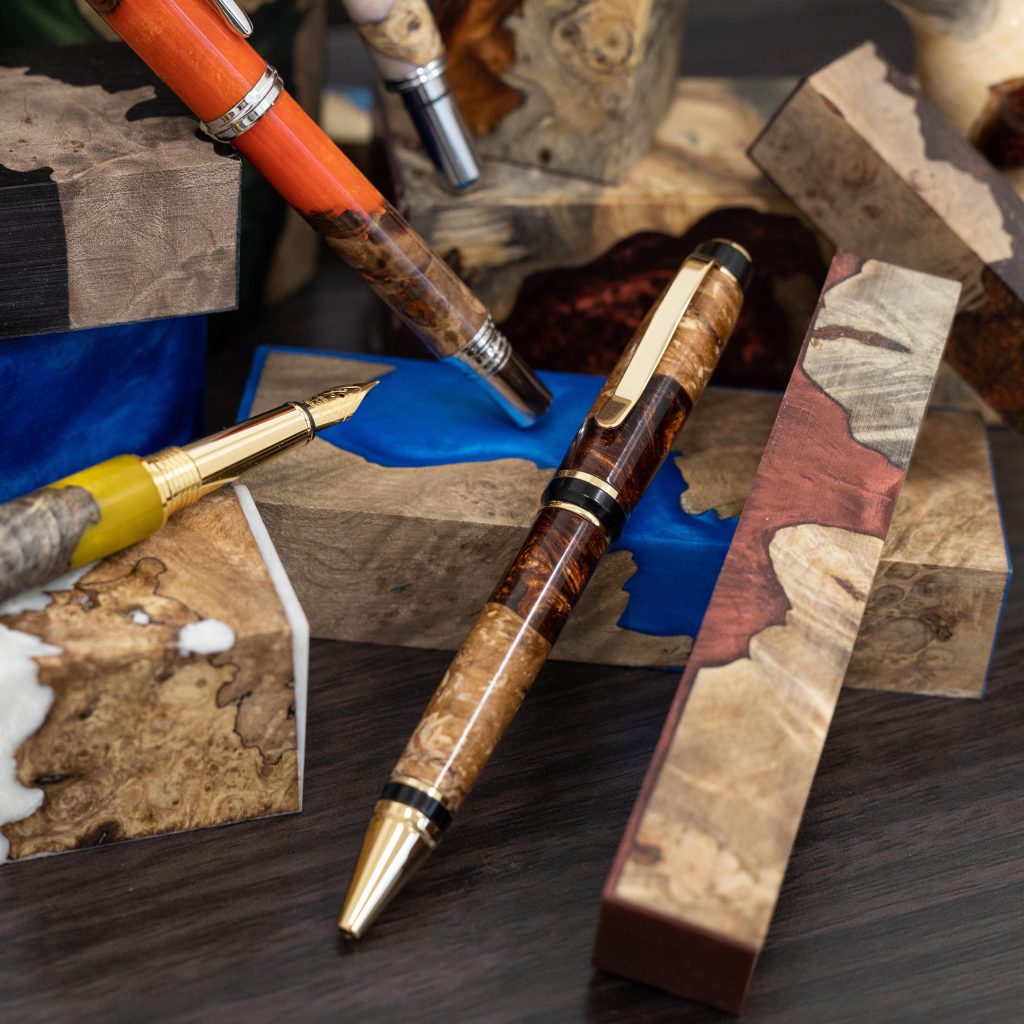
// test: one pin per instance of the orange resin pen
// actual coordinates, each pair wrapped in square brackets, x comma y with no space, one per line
[200,49]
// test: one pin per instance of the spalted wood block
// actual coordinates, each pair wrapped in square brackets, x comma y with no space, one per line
[115,208]
[397,539]
[570,267]
[698,871]
[577,88]
[163,689]
[879,171]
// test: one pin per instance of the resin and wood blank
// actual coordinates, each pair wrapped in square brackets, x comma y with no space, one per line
[878,171]
[699,869]
[115,208]
[388,550]
[577,88]
[162,690]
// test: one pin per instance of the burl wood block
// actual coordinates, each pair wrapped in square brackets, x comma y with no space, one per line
[160,690]
[399,537]
[699,869]
[114,207]
[877,170]
[573,87]
[570,267]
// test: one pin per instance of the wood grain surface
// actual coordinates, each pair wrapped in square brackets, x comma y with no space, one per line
[877,170]
[901,899]
[569,267]
[698,872]
[144,737]
[576,88]
[103,168]
[408,555]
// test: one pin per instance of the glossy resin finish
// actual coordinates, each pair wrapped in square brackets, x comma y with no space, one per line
[211,68]
[512,637]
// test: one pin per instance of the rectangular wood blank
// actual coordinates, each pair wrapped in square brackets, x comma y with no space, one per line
[691,894]
[877,170]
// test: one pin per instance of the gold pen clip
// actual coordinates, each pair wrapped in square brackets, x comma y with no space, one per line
[234,16]
[654,344]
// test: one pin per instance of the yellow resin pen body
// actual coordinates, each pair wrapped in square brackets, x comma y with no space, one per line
[116,503]
[619,448]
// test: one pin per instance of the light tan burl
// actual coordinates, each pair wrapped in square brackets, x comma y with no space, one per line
[478,697]
[142,737]
[408,556]
[714,799]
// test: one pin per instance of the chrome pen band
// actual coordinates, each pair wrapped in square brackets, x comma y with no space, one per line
[485,353]
[249,109]
[438,122]
[429,78]
[489,358]
[595,500]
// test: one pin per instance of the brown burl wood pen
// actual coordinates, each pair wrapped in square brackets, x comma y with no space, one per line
[610,463]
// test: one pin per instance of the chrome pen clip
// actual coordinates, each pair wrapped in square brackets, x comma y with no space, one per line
[234,16]
[655,341]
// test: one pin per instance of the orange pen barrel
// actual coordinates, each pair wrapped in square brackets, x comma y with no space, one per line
[212,68]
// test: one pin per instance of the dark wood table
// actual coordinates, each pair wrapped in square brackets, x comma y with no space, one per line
[904,900]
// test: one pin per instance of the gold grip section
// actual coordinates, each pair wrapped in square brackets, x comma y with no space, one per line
[130,507]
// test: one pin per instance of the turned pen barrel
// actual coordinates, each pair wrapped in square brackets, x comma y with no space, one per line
[212,68]
[513,635]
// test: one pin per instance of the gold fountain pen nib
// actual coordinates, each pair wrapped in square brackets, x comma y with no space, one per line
[337,404]
[398,840]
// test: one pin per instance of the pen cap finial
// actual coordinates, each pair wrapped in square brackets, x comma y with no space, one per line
[731,257]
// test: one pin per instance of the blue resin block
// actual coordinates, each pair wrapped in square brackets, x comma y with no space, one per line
[70,400]
[395,526]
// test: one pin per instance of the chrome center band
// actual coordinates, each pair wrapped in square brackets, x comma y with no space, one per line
[485,353]
[249,109]
[421,78]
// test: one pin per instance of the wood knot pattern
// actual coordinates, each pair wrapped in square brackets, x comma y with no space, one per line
[407,274]
[39,534]
[404,31]
[477,699]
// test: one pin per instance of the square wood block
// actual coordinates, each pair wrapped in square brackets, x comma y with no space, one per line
[115,207]
[574,88]
[160,690]
[569,267]
[384,546]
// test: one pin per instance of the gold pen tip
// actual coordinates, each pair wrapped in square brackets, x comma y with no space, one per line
[335,405]
[398,839]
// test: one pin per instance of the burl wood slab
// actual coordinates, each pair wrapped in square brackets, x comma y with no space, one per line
[879,171]
[115,208]
[574,87]
[143,736]
[408,556]
[570,267]
[691,894]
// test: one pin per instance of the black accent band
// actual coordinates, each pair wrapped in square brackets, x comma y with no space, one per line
[420,801]
[599,503]
[729,257]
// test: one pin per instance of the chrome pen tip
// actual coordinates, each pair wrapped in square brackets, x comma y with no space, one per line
[399,838]
[337,404]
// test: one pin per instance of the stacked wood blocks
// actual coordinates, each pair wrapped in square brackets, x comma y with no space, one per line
[170,679]
[450,529]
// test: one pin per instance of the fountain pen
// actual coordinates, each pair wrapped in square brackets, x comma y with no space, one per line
[116,503]
[609,465]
